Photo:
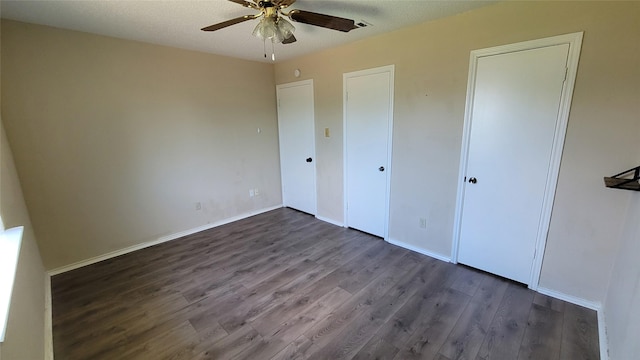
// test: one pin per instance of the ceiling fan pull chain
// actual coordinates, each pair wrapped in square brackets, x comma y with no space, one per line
[264,45]
[273,52]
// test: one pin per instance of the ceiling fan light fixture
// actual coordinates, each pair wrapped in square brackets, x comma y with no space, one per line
[284,29]
[273,28]
[265,29]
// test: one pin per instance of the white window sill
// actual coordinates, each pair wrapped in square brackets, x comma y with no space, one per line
[10,241]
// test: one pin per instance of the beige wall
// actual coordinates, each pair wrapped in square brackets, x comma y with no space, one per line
[432,62]
[115,141]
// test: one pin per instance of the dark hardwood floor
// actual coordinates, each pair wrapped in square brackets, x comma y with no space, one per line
[283,285]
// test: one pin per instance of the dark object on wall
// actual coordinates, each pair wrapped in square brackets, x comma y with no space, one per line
[619,181]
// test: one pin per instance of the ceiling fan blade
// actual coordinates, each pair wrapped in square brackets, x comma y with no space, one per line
[322,20]
[224,24]
[291,39]
[245,3]
[284,3]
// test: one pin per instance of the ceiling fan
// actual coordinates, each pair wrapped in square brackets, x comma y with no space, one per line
[273,26]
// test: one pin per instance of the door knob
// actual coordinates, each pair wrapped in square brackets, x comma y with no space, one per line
[309,159]
[381,168]
[473,180]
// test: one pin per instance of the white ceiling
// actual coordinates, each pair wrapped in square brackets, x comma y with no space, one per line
[177,23]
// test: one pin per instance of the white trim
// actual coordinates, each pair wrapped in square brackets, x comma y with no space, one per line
[419,250]
[333,222]
[313,137]
[390,69]
[593,305]
[48,319]
[575,42]
[603,338]
[160,240]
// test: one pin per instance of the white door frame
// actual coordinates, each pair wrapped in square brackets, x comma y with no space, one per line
[313,141]
[390,69]
[575,42]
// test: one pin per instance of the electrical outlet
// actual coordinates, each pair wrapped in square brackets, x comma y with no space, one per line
[423,223]
[198,206]
[256,191]
[251,193]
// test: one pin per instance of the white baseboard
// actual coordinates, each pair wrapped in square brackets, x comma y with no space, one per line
[48,326]
[593,305]
[336,223]
[160,240]
[570,298]
[419,250]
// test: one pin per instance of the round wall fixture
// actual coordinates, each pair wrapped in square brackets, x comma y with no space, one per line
[296,72]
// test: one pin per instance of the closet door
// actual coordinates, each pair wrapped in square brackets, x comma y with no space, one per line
[297,145]
[516,102]
[368,123]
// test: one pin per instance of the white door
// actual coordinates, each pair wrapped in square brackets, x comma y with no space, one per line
[368,123]
[297,145]
[516,104]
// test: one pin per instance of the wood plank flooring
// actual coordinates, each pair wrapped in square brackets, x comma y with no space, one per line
[283,285]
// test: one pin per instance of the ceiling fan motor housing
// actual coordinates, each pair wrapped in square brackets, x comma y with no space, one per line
[265,4]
